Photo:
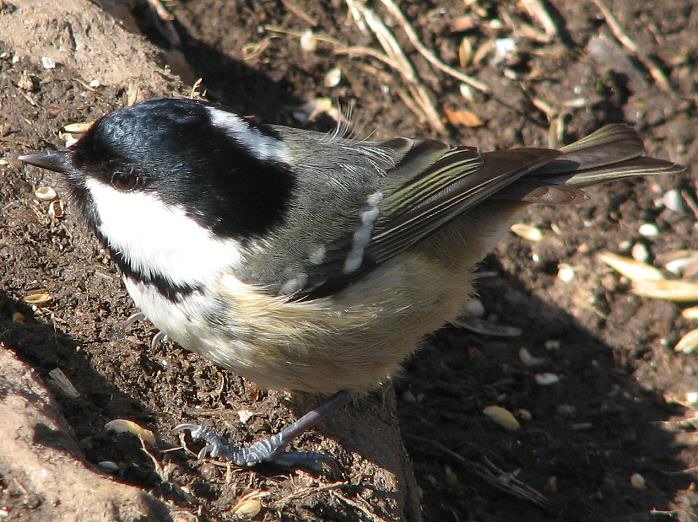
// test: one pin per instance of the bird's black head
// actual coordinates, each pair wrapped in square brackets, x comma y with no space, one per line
[225,172]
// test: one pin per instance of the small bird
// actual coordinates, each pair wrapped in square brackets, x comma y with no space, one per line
[302,260]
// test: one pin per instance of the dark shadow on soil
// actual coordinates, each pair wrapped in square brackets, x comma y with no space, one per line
[588,433]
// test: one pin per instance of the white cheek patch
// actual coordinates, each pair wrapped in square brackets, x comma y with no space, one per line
[160,239]
[263,147]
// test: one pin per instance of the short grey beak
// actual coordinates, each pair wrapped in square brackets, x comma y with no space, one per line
[57,161]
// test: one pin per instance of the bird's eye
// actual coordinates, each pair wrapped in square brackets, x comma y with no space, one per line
[123,181]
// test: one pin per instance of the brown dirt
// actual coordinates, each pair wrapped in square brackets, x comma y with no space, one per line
[619,407]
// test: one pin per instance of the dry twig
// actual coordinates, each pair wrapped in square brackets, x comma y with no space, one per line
[394,10]
[392,48]
[539,11]
[494,476]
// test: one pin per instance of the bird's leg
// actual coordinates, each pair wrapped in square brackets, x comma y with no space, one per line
[269,449]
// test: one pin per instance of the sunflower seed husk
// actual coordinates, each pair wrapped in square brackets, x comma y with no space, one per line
[503,417]
[630,268]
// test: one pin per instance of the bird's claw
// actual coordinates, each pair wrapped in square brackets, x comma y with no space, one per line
[133,318]
[266,450]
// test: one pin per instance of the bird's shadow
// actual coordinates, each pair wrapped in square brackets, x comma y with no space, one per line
[580,440]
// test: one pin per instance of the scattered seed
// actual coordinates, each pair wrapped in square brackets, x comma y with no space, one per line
[530,360]
[451,477]
[78,128]
[109,466]
[247,508]
[45,193]
[547,379]
[524,415]
[630,268]
[648,230]
[333,77]
[63,383]
[674,290]
[18,317]
[690,313]
[37,298]
[565,273]
[679,264]
[308,41]
[465,52]
[503,417]
[466,91]
[692,398]
[640,252]
[527,231]
[48,63]
[688,343]
[638,481]
[673,201]
[127,426]
[95,83]
[55,209]
[483,327]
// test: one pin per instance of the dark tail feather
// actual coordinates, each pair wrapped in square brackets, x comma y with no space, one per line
[611,153]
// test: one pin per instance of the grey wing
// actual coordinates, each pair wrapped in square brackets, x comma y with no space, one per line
[359,204]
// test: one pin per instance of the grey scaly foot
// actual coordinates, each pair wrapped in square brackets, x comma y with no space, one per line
[270,449]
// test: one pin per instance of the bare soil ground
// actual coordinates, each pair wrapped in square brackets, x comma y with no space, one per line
[620,406]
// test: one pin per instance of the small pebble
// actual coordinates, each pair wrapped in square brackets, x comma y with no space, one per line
[648,230]
[524,415]
[565,273]
[552,344]
[640,252]
[638,481]
[48,63]
[308,41]
[547,379]
[692,398]
[333,77]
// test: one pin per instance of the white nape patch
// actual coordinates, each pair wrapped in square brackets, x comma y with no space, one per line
[363,235]
[160,239]
[263,147]
[317,256]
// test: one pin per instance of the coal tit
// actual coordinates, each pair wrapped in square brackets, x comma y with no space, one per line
[302,260]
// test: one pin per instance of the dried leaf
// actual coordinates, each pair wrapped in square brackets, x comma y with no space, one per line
[462,117]
[630,268]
